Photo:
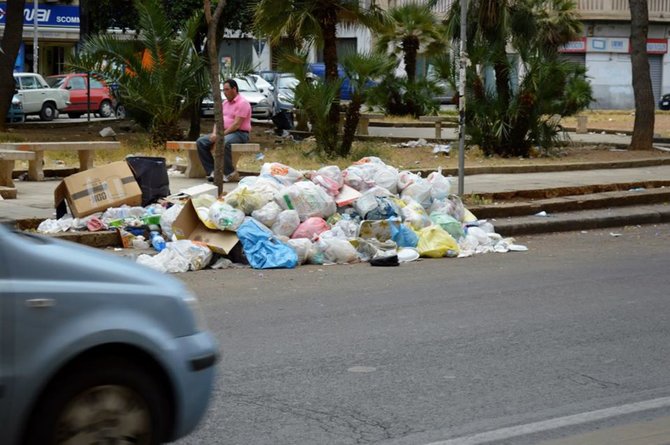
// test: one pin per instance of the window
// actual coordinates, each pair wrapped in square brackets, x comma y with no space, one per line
[95,83]
[29,83]
[77,83]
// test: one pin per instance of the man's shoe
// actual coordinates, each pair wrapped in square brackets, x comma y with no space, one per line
[210,178]
[232,177]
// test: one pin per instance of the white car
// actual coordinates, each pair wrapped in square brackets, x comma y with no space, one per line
[262,107]
[36,97]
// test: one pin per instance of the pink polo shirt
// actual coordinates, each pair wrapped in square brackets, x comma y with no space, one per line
[238,107]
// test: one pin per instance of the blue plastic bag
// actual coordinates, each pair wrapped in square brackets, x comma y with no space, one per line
[403,235]
[262,248]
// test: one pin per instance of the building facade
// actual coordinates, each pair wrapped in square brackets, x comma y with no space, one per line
[57,34]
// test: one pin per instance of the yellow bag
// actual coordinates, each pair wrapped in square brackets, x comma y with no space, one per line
[435,242]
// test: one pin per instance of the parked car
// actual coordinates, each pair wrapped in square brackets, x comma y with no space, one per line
[101,99]
[664,103]
[285,84]
[95,348]
[261,106]
[37,97]
[319,69]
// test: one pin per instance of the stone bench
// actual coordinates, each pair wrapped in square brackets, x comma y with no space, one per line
[7,158]
[85,149]
[438,123]
[194,168]
[363,122]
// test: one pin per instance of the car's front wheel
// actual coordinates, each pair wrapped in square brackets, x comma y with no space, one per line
[106,109]
[105,400]
[48,112]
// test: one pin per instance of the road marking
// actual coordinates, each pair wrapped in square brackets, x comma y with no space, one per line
[559,422]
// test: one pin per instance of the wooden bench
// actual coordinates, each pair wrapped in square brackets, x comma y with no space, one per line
[194,168]
[438,123]
[86,153]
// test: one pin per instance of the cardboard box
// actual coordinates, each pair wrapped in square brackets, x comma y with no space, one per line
[189,226]
[97,189]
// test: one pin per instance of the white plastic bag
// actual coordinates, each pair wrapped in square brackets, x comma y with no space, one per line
[249,199]
[168,218]
[308,199]
[337,251]
[287,222]
[283,173]
[224,216]
[440,185]
[302,247]
[267,214]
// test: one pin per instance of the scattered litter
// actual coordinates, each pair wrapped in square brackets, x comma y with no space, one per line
[260,156]
[637,189]
[542,213]
[107,132]
[438,148]
[616,235]
[617,149]
[412,144]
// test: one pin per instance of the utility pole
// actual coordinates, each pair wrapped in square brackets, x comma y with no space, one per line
[36,48]
[461,100]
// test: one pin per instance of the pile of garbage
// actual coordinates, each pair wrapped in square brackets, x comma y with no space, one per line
[284,217]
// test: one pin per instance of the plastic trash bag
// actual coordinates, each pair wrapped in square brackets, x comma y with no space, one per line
[168,218]
[336,251]
[302,247]
[386,208]
[308,199]
[415,215]
[283,173]
[178,256]
[330,178]
[152,177]
[287,222]
[419,191]
[440,185]
[310,228]
[262,248]
[404,236]
[435,242]
[368,249]
[407,178]
[448,223]
[267,214]
[248,199]
[224,216]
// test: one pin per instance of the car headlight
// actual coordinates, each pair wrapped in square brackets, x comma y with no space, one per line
[16,100]
[263,103]
[198,314]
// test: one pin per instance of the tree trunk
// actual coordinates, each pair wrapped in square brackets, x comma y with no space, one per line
[330,62]
[410,47]
[212,52]
[9,49]
[643,131]
[351,124]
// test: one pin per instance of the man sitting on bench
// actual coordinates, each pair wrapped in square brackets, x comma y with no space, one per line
[236,128]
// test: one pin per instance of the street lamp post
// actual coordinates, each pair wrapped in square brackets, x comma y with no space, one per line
[36,48]
[461,100]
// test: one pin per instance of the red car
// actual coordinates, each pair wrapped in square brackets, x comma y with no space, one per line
[75,83]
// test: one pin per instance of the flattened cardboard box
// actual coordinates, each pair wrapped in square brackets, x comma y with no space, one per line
[189,226]
[97,189]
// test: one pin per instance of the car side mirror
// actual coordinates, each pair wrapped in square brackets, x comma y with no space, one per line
[69,87]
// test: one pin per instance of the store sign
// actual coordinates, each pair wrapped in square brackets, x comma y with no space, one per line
[574,46]
[55,16]
[608,44]
[657,46]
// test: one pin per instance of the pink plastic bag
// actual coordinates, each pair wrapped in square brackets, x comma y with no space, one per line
[311,228]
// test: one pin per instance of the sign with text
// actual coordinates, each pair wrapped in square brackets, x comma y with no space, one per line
[54,16]
[574,46]
[608,44]
[657,46]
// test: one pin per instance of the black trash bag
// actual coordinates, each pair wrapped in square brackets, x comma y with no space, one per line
[151,174]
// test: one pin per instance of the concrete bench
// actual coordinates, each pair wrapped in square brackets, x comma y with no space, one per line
[194,168]
[86,153]
[7,158]
[438,123]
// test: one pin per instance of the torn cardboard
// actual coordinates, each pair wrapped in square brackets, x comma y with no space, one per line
[97,189]
[189,226]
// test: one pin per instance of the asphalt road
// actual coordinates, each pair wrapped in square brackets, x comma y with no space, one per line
[570,336]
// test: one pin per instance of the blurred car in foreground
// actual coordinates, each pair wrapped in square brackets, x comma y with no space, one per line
[37,97]
[95,348]
[664,103]
[101,101]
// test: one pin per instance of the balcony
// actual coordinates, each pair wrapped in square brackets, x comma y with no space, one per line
[659,10]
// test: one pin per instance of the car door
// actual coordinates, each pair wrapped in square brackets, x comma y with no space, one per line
[76,85]
[32,94]
[6,328]
[98,93]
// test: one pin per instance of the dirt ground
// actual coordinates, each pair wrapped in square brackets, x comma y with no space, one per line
[135,141]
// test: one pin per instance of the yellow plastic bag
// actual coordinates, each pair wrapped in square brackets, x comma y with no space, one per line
[435,242]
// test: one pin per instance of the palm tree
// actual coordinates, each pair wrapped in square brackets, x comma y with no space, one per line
[160,74]
[361,69]
[506,119]
[315,22]
[412,31]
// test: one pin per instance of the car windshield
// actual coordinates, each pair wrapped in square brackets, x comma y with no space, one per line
[286,83]
[245,85]
[55,82]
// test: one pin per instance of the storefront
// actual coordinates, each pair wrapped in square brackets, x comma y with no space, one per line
[57,34]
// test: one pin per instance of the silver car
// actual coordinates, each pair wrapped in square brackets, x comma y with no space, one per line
[95,348]
[262,106]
